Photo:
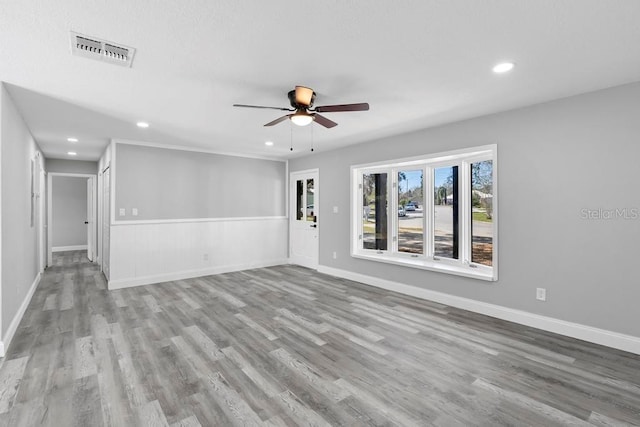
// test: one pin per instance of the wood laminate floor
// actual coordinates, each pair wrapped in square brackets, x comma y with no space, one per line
[286,346]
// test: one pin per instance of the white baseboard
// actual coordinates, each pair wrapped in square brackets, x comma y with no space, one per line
[13,327]
[69,248]
[575,330]
[189,274]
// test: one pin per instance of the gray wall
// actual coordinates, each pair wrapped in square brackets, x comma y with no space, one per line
[173,184]
[554,160]
[71,166]
[69,211]
[19,246]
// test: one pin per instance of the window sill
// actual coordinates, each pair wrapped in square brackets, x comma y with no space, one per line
[441,266]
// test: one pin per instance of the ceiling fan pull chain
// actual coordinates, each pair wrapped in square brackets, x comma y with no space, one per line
[311,127]
[291,128]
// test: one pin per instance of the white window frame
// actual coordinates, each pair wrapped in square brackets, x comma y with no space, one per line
[428,163]
[360,228]
[425,223]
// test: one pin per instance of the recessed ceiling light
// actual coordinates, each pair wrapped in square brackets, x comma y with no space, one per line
[142,125]
[72,139]
[269,143]
[503,67]
[72,153]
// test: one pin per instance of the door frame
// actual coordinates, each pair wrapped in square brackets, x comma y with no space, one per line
[104,206]
[292,207]
[92,219]
[50,177]
[42,224]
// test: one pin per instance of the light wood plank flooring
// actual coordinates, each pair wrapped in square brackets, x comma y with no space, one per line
[286,346]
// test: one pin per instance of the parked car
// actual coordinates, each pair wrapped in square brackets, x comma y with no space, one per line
[401,211]
[410,207]
[309,210]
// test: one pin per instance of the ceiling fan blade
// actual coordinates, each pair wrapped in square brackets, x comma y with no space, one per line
[322,120]
[260,106]
[278,120]
[304,95]
[344,107]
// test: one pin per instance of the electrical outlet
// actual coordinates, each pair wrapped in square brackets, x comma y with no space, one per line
[541,294]
[205,257]
[134,211]
[335,255]
[335,209]
[123,212]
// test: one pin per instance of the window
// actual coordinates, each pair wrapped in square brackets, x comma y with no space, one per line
[374,211]
[410,218]
[446,227]
[305,200]
[482,212]
[435,212]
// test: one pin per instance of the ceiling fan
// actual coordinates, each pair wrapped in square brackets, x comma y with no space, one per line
[301,100]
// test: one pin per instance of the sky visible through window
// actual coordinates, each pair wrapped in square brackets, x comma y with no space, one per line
[414,180]
[441,175]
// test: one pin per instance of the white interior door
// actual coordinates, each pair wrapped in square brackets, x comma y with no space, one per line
[106,222]
[304,222]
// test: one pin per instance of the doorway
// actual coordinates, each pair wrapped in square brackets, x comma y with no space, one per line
[71,214]
[304,222]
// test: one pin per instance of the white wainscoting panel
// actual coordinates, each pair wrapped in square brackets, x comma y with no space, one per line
[152,252]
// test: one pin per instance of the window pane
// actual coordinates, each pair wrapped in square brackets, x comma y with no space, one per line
[374,216]
[445,212]
[482,212]
[410,212]
[299,199]
[310,204]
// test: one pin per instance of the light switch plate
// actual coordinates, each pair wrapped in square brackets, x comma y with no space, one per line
[134,211]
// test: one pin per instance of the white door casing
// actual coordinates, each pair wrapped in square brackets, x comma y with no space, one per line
[90,222]
[106,221]
[304,221]
[42,247]
[91,216]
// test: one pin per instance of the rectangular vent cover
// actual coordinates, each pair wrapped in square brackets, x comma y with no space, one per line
[101,50]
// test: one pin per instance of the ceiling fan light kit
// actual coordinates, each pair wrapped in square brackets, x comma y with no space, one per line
[301,100]
[301,118]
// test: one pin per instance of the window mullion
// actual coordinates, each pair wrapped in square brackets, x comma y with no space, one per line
[464,186]
[358,218]
[428,208]
[393,211]
[391,214]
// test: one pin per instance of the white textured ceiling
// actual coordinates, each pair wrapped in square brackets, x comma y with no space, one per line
[418,64]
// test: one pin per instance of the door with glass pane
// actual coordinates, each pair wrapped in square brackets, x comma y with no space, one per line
[303,218]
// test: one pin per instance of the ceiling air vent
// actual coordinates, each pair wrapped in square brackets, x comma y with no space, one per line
[102,50]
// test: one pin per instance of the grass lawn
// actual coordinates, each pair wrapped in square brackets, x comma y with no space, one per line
[480,216]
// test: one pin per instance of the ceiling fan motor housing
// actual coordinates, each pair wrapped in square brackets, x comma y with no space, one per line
[295,104]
